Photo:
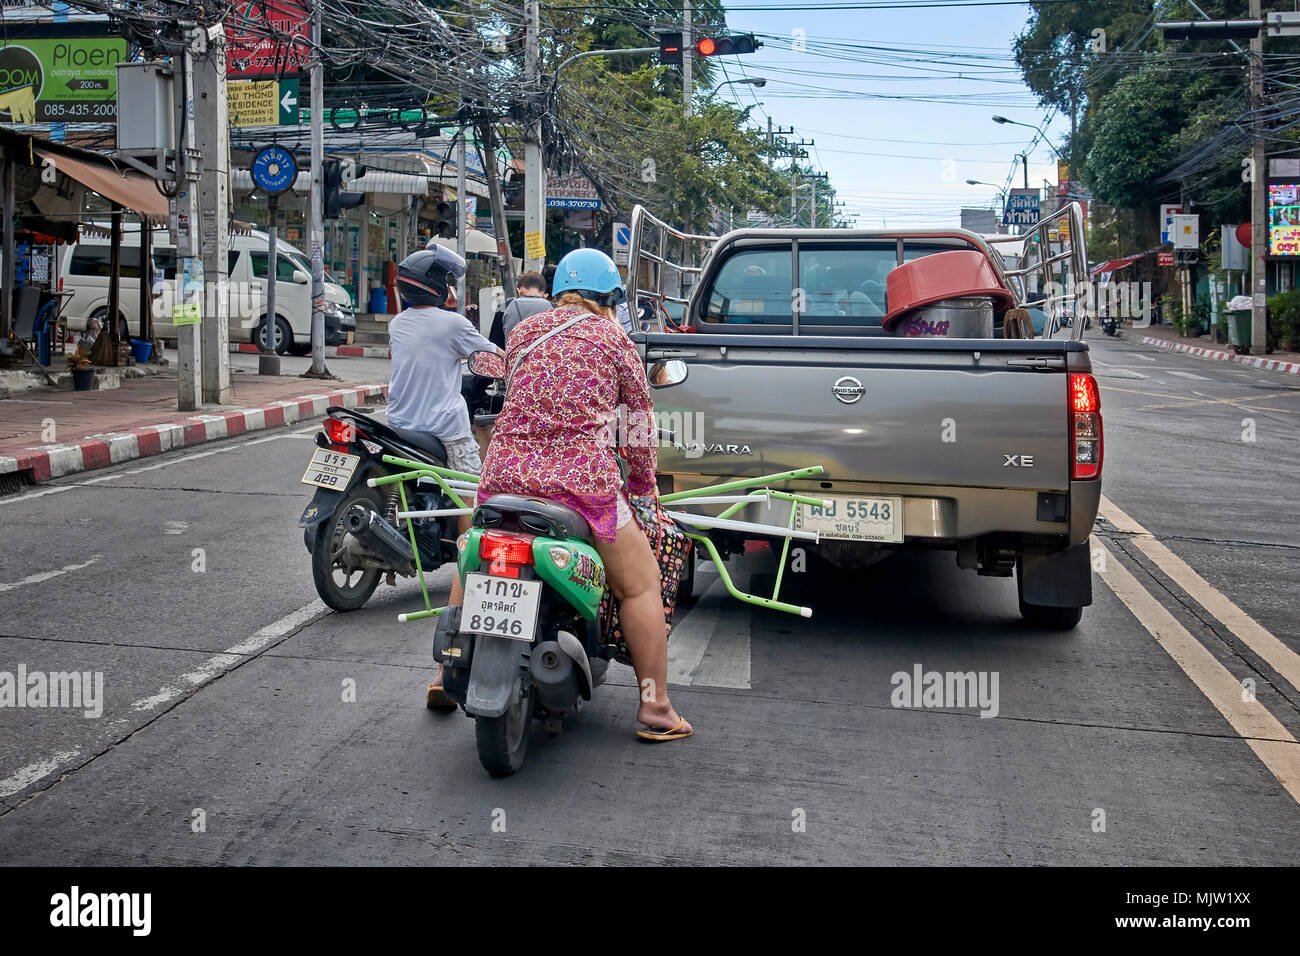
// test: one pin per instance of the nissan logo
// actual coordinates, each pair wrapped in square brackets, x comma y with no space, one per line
[848,389]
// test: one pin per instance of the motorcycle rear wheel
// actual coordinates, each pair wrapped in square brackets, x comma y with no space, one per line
[503,741]
[351,594]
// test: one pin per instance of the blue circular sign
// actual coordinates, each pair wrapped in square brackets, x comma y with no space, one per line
[624,235]
[274,169]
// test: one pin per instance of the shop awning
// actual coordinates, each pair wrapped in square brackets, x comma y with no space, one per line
[1112,264]
[129,190]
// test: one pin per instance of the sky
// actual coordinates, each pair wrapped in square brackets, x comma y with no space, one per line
[897,162]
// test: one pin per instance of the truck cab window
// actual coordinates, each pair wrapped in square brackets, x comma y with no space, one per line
[752,287]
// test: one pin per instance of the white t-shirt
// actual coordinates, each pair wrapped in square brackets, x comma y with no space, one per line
[427,345]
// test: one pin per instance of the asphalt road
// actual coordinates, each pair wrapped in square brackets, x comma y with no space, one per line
[184,581]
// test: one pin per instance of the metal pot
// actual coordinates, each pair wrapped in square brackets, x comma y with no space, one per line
[964,318]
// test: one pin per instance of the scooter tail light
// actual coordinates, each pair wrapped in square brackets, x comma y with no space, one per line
[1087,447]
[340,432]
[505,552]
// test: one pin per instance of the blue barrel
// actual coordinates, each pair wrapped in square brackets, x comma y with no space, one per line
[379,301]
[43,346]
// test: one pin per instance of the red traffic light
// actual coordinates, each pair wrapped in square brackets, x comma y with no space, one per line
[726,45]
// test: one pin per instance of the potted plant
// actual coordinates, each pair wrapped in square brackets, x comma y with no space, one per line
[83,373]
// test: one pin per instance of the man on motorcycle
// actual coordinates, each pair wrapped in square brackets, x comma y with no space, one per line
[427,343]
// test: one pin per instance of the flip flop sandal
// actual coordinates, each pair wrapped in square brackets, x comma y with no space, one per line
[437,699]
[658,734]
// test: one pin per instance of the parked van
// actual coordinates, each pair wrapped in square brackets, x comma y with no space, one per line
[85,273]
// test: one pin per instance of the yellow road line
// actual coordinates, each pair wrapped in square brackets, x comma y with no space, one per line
[1249,631]
[1263,733]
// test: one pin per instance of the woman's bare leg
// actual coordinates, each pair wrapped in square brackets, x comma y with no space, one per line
[634,579]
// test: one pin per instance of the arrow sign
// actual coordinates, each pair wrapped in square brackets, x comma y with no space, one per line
[288,102]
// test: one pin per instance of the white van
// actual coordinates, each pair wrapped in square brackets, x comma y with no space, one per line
[85,273]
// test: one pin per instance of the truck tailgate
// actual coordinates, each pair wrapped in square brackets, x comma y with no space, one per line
[953,412]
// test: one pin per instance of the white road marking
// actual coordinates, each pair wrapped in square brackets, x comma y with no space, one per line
[1262,732]
[29,774]
[710,646]
[1193,375]
[175,527]
[246,648]
[1249,631]
[46,575]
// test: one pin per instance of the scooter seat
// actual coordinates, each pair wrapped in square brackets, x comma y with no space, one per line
[422,440]
[534,515]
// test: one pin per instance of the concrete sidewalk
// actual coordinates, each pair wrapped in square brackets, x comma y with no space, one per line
[1164,337]
[48,432]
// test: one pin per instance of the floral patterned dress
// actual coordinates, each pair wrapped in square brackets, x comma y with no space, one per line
[575,399]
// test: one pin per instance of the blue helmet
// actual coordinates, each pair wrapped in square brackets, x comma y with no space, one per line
[592,273]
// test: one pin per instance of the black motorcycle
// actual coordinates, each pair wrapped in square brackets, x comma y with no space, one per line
[351,528]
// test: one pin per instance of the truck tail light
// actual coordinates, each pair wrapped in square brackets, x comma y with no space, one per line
[506,552]
[1085,427]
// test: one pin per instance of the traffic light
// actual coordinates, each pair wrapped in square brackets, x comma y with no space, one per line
[446,220]
[670,49]
[1211,29]
[726,45]
[335,199]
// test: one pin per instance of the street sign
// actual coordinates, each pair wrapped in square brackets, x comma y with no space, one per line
[64,80]
[622,243]
[274,170]
[263,102]
[1022,209]
[1166,222]
[1164,258]
[266,38]
[571,192]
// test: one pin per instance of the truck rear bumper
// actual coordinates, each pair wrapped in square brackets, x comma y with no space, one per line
[938,513]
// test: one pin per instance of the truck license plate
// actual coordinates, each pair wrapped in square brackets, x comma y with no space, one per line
[502,607]
[330,469]
[855,518]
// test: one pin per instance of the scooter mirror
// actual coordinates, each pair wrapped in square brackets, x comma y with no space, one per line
[487,364]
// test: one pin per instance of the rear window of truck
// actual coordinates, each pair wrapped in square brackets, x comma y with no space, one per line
[840,287]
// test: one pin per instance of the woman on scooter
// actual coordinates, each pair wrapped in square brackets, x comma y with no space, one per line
[552,440]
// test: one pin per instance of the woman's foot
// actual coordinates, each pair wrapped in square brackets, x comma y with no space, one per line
[662,723]
[436,698]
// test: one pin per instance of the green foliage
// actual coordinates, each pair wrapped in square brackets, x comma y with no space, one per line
[1201,314]
[1284,320]
[1173,309]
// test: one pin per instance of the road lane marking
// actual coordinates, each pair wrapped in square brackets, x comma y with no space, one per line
[46,575]
[1192,375]
[1249,631]
[1262,732]
[29,774]
[709,647]
[248,647]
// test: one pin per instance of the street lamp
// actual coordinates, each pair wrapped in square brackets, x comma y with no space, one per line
[1002,121]
[755,81]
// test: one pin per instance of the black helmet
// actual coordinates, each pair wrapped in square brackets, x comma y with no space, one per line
[423,277]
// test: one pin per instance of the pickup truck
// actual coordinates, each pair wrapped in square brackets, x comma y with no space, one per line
[884,358]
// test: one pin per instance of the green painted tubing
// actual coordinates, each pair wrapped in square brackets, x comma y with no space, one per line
[427,471]
[431,469]
[779,495]
[420,615]
[740,595]
[410,530]
[743,483]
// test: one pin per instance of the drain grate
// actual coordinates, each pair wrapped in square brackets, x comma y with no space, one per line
[14,481]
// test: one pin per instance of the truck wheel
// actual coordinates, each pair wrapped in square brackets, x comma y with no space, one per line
[503,741]
[1060,584]
[686,584]
[283,335]
[1041,615]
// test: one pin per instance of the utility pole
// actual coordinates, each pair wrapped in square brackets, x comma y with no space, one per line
[189,385]
[688,57]
[462,220]
[213,138]
[534,174]
[1258,196]
[498,203]
[317,214]
[1024,159]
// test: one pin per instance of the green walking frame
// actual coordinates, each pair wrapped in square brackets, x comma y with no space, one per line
[414,471]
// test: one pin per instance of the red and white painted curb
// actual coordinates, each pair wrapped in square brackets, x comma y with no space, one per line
[99,451]
[331,351]
[1254,361]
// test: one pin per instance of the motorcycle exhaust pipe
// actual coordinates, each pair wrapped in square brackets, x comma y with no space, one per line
[554,676]
[380,538]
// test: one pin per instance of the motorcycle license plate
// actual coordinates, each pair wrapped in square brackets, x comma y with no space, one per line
[330,469]
[501,607]
[859,518]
